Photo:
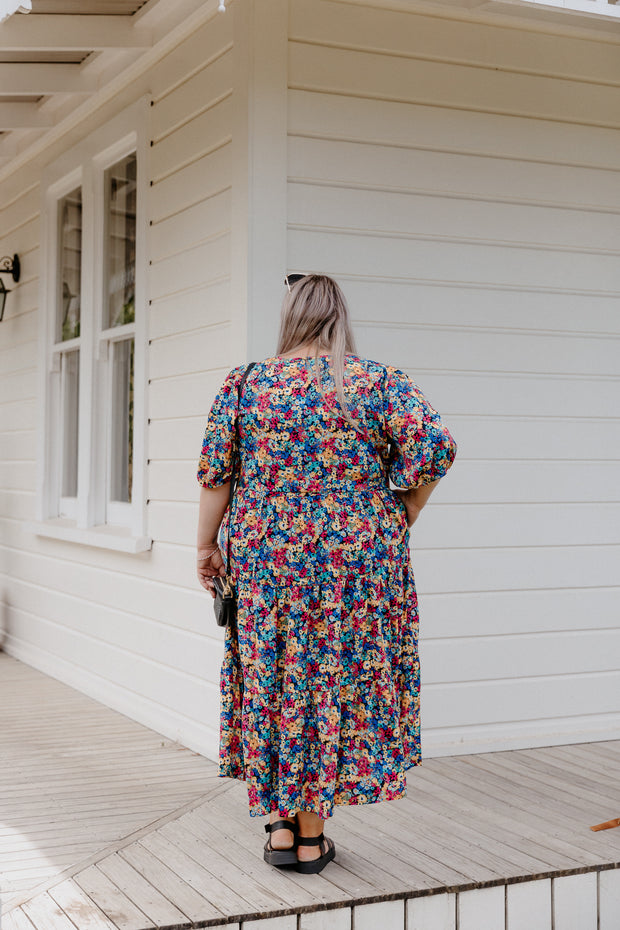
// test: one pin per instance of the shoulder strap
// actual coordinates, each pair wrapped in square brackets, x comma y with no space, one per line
[234,475]
[392,445]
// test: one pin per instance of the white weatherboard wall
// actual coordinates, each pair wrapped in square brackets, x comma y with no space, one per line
[462,182]
[135,631]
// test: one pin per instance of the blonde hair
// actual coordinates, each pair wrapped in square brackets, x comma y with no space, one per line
[315,311]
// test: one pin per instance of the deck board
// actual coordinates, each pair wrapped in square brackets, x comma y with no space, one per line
[78,907]
[111,899]
[220,895]
[46,914]
[504,814]
[107,825]
[145,894]
[510,825]
[173,886]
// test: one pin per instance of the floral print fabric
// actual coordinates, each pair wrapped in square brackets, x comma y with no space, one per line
[320,689]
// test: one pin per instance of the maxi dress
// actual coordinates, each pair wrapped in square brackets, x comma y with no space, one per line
[320,686]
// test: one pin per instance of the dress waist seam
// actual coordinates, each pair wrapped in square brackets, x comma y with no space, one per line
[260,490]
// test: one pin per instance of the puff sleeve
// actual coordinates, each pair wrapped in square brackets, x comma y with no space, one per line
[214,464]
[424,449]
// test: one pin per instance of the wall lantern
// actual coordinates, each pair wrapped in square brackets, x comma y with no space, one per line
[8,265]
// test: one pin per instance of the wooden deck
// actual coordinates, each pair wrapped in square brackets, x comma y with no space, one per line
[106,824]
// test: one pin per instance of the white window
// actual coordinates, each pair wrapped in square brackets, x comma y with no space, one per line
[66,347]
[117,333]
[93,306]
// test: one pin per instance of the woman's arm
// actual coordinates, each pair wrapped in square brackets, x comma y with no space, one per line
[213,504]
[415,498]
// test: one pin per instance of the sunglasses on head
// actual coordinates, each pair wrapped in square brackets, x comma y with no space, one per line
[291,279]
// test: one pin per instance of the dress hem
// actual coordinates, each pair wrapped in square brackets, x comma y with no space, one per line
[387,793]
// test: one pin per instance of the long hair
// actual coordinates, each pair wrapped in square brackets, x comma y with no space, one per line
[316,311]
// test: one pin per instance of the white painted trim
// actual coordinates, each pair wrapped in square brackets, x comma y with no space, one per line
[457,741]
[259,170]
[139,513]
[87,374]
[103,537]
[240,170]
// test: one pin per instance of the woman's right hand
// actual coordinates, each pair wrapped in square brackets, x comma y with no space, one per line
[209,563]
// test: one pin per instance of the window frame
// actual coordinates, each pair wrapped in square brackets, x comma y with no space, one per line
[106,336]
[89,522]
[67,506]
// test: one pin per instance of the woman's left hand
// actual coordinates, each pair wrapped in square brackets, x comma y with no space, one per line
[209,563]
[413,511]
[415,498]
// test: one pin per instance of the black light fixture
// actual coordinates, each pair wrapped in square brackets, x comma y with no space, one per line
[8,265]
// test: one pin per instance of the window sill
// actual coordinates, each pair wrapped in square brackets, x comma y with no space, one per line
[102,537]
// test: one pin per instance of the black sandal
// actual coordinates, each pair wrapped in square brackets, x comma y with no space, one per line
[281,856]
[316,865]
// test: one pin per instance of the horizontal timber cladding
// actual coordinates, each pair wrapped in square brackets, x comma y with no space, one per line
[134,631]
[461,180]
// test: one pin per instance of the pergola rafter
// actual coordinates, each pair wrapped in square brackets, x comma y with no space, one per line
[66,50]
[49,31]
[24,116]
[35,78]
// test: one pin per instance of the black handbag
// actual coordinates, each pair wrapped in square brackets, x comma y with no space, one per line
[225,604]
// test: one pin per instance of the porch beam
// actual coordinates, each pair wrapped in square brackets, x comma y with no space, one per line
[24,116]
[52,32]
[33,78]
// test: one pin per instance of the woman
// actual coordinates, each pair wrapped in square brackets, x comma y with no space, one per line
[320,682]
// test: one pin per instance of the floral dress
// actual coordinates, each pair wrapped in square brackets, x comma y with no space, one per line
[320,686]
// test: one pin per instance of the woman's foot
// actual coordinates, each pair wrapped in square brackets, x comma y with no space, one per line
[282,839]
[311,827]
[281,845]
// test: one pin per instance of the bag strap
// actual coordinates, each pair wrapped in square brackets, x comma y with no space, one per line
[392,447]
[234,475]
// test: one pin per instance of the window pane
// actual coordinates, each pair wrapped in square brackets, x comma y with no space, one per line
[120,243]
[70,410]
[122,420]
[69,266]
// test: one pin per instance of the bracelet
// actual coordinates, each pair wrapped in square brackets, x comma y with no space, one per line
[206,558]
